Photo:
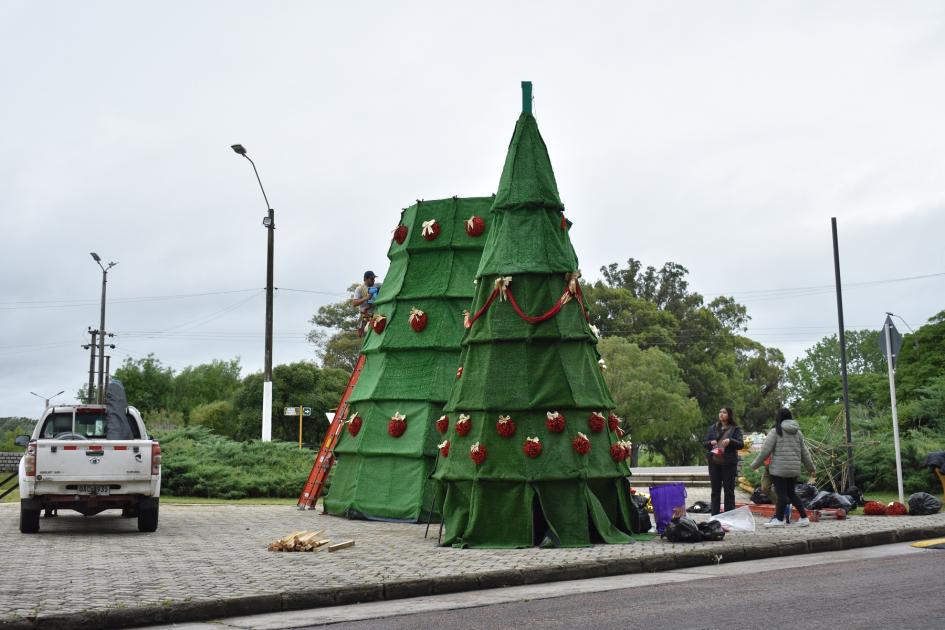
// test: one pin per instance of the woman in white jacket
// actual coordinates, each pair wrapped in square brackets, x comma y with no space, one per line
[788,450]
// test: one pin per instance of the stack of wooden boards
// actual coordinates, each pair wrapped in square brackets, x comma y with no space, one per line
[307,541]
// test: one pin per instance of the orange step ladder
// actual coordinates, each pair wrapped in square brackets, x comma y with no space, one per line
[326,456]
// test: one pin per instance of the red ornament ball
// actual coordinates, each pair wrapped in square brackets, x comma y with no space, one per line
[400,234]
[613,421]
[596,422]
[431,231]
[445,449]
[581,444]
[354,425]
[463,426]
[619,452]
[478,453]
[378,324]
[397,426]
[555,422]
[505,426]
[475,226]
[874,508]
[418,321]
[443,424]
[532,448]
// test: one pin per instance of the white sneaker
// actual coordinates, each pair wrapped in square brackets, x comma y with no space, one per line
[774,523]
[803,522]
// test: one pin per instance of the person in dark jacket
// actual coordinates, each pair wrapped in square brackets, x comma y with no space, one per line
[722,441]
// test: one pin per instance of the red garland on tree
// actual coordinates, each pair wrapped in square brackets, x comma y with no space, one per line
[596,422]
[400,234]
[475,226]
[378,323]
[418,319]
[354,424]
[505,426]
[532,447]
[613,421]
[444,448]
[397,425]
[463,425]
[895,508]
[431,229]
[554,421]
[581,444]
[477,453]
[443,424]
[874,508]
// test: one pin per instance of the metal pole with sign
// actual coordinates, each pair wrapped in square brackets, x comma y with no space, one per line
[893,342]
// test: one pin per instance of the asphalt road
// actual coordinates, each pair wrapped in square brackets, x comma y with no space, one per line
[896,586]
[901,592]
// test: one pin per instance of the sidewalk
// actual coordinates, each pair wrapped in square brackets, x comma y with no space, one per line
[207,562]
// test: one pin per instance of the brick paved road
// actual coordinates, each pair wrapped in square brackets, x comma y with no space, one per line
[212,553]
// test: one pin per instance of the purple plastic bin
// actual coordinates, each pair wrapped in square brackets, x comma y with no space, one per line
[665,499]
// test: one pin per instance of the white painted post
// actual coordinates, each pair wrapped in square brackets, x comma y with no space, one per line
[892,398]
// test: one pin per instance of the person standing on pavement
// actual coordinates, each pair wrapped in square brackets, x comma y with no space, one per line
[722,441]
[788,450]
[364,297]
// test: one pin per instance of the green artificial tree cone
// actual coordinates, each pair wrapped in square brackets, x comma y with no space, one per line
[535,456]
[408,372]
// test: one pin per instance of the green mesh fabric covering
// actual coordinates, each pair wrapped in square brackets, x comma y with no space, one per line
[521,370]
[406,372]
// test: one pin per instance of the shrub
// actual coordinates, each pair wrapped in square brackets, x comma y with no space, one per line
[198,462]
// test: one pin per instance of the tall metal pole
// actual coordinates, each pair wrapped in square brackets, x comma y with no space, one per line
[101,341]
[843,355]
[270,223]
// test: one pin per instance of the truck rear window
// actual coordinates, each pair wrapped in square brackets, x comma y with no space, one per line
[88,425]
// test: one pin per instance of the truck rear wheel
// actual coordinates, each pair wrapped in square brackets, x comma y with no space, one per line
[148,516]
[29,519]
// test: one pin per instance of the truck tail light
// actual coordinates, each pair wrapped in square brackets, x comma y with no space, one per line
[29,460]
[155,458]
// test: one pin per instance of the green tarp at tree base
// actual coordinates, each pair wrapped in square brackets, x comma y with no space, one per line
[523,371]
[410,373]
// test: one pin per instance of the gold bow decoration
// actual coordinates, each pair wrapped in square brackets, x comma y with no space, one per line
[602,365]
[416,313]
[504,419]
[466,322]
[469,223]
[475,448]
[442,444]
[553,415]
[462,418]
[533,439]
[398,416]
[502,286]
[581,435]
[351,419]
[428,227]
[572,281]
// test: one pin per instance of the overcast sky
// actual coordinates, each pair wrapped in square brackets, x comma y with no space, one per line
[722,136]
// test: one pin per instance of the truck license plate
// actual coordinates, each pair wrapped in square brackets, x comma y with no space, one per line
[97,490]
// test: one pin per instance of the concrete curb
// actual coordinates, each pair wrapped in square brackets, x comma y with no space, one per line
[668,560]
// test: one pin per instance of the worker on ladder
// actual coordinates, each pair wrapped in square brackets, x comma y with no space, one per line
[364,298]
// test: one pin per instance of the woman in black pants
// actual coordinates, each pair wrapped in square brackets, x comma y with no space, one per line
[789,453]
[722,441]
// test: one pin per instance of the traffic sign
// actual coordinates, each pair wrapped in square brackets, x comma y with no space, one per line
[294,411]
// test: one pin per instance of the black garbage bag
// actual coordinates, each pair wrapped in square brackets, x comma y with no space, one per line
[711,530]
[842,501]
[760,497]
[639,518]
[935,461]
[856,494]
[682,530]
[118,427]
[922,503]
[805,492]
[819,501]
[699,507]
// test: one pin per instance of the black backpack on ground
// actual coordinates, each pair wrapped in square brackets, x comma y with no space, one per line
[639,518]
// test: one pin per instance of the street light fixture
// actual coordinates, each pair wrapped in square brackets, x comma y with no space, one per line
[46,400]
[269,222]
[101,327]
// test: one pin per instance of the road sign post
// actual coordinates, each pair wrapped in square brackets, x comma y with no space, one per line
[891,348]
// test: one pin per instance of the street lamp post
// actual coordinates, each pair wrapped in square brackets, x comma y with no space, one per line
[269,222]
[46,400]
[101,328]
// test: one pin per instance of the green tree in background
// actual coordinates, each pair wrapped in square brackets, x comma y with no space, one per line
[335,336]
[148,384]
[650,393]
[214,381]
[922,357]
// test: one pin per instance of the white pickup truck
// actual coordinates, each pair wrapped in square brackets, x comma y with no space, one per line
[70,464]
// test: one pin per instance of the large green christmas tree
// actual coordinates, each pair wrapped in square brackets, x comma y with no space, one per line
[534,455]
[388,450]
